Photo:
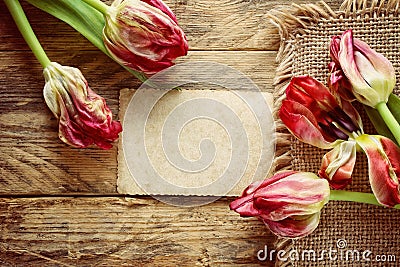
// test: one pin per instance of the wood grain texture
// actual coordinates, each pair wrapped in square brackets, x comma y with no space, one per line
[208,24]
[126,232]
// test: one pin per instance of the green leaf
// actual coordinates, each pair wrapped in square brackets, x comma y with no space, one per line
[84,19]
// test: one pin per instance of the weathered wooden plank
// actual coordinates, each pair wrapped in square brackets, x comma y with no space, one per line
[126,232]
[209,25]
[34,161]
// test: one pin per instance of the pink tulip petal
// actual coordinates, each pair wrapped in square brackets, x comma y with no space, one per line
[294,195]
[383,167]
[143,35]
[378,61]
[348,63]
[70,132]
[163,7]
[372,78]
[301,123]
[315,90]
[294,227]
[244,205]
[338,164]
[334,48]
[289,203]
[338,82]
[260,184]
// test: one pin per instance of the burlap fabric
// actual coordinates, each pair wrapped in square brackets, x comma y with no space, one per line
[346,229]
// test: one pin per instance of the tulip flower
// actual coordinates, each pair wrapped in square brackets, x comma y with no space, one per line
[383,167]
[289,203]
[315,116]
[358,70]
[142,35]
[84,117]
[370,74]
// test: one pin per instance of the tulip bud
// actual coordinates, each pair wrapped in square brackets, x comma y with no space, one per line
[370,74]
[289,203]
[143,35]
[84,117]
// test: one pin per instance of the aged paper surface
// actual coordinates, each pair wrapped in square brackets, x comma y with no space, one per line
[190,142]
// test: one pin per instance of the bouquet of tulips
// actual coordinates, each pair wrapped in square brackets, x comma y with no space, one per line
[289,203]
[141,35]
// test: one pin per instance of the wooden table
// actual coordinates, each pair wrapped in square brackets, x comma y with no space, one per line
[59,206]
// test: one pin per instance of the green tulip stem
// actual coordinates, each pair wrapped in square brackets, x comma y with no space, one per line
[367,198]
[98,5]
[25,28]
[389,119]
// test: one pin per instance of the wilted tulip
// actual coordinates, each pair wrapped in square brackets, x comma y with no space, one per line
[143,35]
[371,75]
[315,116]
[84,117]
[383,167]
[289,203]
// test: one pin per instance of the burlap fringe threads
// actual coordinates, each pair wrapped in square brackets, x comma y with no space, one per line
[291,21]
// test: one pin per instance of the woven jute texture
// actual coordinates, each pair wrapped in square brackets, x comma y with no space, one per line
[347,230]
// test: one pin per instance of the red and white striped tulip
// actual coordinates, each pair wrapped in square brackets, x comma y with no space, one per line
[371,75]
[84,117]
[289,203]
[143,35]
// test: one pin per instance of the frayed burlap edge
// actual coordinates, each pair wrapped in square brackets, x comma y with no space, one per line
[294,20]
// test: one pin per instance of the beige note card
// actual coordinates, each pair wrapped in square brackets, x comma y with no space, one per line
[194,142]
